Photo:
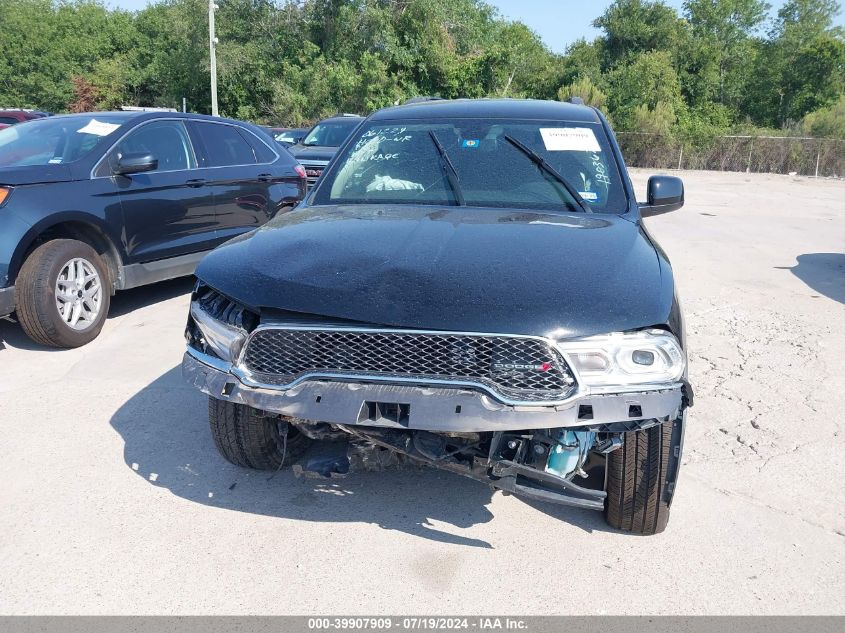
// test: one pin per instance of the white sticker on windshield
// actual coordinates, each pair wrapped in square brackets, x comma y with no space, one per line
[98,128]
[569,139]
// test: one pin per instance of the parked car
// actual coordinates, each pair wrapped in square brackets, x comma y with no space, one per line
[272,131]
[322,142]
[93,203]
[291,136]
[13,116]
[470,285]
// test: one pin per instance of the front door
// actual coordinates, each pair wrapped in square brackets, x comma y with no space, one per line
[169,211]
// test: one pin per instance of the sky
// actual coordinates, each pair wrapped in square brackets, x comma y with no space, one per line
[557,22]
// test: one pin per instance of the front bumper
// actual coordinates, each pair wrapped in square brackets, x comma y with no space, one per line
[7,301]
[437,409]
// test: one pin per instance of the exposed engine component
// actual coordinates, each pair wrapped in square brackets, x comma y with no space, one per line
[538,464]
[570,452]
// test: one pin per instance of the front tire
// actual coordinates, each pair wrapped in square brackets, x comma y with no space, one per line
[63,294]
[246,437]
[641,478]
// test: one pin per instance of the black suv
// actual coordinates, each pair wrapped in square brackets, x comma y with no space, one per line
[93,203]
[322,142]
[470,285]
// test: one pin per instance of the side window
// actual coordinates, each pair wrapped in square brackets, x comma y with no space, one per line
[224,145]
[262,153]
[8,120]
[167,141]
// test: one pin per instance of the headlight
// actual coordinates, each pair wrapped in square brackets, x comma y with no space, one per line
[623,359]
[224,324]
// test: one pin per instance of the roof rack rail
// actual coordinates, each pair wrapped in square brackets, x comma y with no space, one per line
[575,100]
[421,99]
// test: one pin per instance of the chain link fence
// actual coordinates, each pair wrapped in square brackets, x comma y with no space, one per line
[819,157]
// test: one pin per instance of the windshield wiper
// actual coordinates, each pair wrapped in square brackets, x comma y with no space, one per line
[449,168]
[545,166]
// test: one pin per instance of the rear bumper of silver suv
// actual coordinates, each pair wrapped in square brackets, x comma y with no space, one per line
[430,408]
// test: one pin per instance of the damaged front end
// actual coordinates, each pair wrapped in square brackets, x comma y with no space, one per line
[529,415]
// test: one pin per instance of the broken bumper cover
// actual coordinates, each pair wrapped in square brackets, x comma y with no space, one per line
[436,409]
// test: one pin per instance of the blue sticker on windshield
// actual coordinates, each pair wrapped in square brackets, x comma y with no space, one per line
[470,143]
[589,196]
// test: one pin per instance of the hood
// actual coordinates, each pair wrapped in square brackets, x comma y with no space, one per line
[34,174]
[304,153]
[460,269]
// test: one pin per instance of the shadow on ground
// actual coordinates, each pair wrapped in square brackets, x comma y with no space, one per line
[124,302]
[167,442]
[823,272]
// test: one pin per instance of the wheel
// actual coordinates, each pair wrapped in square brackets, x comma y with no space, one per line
[63,294]
[641,478]
[247,437]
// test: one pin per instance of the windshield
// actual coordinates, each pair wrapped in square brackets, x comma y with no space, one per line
[478,162]
[55,141]
[331,133]
[289,137]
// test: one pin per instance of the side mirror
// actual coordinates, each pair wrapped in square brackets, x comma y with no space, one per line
[135,163]
[665,193]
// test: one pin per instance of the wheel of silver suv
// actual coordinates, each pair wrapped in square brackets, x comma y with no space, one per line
[62,294]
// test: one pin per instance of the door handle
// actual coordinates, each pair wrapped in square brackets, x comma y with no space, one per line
[265,177]
[196,182]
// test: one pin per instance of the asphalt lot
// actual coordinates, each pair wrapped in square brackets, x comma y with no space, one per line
[113,499]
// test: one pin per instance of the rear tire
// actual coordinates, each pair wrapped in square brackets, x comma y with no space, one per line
[247,437]
[36,293]
[641,478]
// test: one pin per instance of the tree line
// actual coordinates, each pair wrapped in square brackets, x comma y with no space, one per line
[715,67]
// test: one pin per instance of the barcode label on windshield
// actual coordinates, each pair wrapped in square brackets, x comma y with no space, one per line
[569,139]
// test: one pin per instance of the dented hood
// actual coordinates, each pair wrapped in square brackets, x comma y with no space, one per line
[454,268]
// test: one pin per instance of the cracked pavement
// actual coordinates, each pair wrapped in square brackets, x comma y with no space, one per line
[115,501]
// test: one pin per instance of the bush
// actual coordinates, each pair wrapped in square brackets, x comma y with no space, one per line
[586,89]
[826,122]
[657,120]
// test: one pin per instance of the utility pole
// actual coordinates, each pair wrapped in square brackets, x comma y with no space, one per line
[212,50]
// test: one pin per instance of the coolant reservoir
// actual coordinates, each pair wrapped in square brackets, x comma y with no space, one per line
[571,452]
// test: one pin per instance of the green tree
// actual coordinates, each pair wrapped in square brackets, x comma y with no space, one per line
[172,55]
[582,59]
[803,20]
[293,61]
[648,80]
[46,44]
[722,46]
[638,26]
[521,65]
[801,67]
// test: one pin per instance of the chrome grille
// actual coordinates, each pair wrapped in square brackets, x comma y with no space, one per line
[313,173]
[517,369]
